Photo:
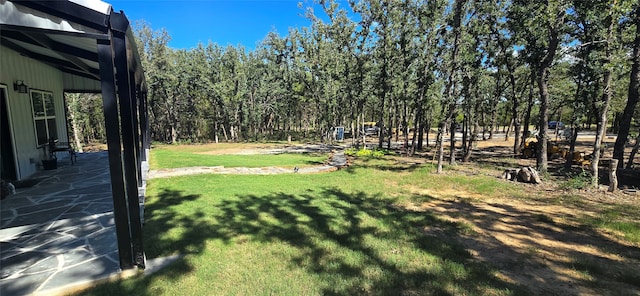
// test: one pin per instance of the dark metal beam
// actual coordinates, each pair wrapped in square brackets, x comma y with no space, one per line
[44,41]
[62,65]
[130,158]
[28,37]
[144,124]
[112,127]
[71,11]
[95,36]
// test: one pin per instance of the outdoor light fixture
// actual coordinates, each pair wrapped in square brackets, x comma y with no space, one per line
[20,87]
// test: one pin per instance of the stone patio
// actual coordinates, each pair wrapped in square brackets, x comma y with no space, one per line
[60,232]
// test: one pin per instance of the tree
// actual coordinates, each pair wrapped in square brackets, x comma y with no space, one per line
[449,95]
[633,94]
[541,24]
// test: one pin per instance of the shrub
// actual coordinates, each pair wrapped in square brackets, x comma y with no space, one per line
[578,181]
[367,153]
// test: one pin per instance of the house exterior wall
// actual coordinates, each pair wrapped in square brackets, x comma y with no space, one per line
[80,84]
[37,76]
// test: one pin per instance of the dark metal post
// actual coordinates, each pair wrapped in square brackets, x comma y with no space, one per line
[112,127]
[119,25]
[136,126]
[142,113]
[145,121]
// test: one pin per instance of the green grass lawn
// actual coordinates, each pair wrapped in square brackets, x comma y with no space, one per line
[342,233]
[164,157]
[294,234]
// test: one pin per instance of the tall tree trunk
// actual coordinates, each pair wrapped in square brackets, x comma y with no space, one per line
[527,115]
[484,125]
[387,133]
[494,119]
[574,129]
[450,86]
[77,133]
[452,143]
[440,151]
[604,105]
[472,141]
[541,149]
[494,106]
[417,125]
[543,80]
[514,112]
[632,96]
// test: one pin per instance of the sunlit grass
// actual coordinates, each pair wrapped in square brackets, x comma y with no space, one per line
[617,220]
[296,234]
[341,233]
[171,157]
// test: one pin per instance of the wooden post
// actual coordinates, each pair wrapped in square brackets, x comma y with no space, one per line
[613,176]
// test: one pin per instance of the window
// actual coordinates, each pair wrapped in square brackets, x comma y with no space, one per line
[44,116]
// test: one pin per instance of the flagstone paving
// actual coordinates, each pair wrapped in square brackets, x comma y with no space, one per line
[59,231]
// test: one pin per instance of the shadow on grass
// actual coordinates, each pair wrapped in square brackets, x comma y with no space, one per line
[355,243]
[538,245]
[384,165]
[331,227]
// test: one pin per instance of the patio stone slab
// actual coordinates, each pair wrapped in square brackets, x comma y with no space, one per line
[60,231]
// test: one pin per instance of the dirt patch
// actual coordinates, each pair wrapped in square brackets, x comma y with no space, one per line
[539,246]
[336,161]
[540,242]
[270,149]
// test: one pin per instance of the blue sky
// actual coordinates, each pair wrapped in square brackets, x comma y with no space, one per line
[188,22]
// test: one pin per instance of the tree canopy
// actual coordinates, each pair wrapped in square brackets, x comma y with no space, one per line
[410,66]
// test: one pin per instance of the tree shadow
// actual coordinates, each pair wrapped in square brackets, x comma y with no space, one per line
[359,243]
[391,164]
[531,247]
[160,218]
[349,222]
[328,229]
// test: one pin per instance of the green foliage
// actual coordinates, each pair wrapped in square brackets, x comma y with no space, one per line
[577,181]
[401,63]
[367,153]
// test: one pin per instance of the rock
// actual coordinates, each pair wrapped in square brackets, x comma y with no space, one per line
[510,174]
[524,174]
[529,175]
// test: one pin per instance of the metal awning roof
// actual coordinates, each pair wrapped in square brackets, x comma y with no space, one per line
[64,34]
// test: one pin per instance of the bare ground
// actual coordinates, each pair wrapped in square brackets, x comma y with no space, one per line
[540,246]
[540,242]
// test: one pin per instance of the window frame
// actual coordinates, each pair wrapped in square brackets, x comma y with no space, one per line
[45,117]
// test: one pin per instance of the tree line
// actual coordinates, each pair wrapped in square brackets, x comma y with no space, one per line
[417,68]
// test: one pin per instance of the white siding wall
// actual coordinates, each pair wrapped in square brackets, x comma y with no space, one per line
[80,84]
[37,76]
